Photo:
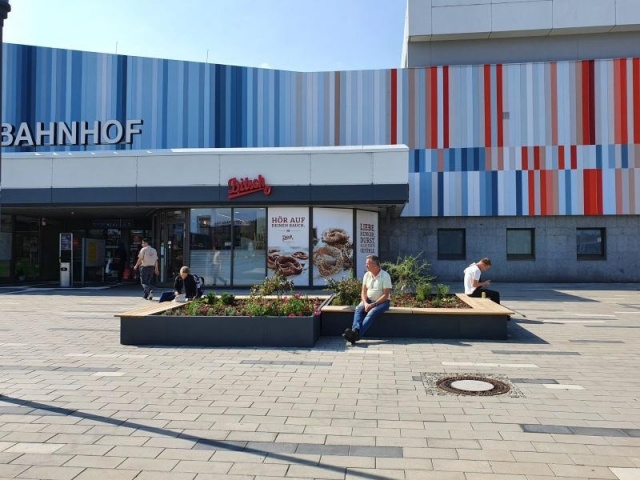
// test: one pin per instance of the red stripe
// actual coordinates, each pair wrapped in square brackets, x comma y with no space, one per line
[543,193]
[592,181]
[532,193]
[433,71]
[585,102]
[574,157]
[487,105]
[394,107]
[536,157]
[636,100]
[561,157]
[525,158]
[445,104]
[499,98]
[616,101]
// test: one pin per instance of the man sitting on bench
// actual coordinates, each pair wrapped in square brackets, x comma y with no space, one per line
[376,299]
[472,284]
[184,283]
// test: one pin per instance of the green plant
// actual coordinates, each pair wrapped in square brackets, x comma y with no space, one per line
[210,298]
[278,284]
[423,291]
[255,306]
[228,299]
[408,272]
[347,290]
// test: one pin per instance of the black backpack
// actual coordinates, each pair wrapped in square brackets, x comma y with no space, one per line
[199,286]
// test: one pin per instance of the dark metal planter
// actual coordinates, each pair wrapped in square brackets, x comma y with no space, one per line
[487,321]
[169,330]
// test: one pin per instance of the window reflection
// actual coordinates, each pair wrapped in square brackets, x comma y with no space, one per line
[211,245]
[249,258]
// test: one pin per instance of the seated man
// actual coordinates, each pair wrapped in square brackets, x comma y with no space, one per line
[472,284]
[376,299]
[184,283]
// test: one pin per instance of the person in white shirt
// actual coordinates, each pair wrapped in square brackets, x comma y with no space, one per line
[472,284]
[376,299]
[148,263]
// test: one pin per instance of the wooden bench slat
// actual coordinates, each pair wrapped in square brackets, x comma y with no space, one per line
[151,309]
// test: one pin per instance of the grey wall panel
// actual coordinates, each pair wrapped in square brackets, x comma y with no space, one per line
[26,196]
[178,195]
[94,196]
[526,49]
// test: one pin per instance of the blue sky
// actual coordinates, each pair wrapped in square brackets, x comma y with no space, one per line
[301,35]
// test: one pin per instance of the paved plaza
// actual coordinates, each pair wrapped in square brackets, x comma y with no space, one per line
[75,404]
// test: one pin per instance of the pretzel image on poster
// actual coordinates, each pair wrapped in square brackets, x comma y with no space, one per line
[288,265]
[335,236]
[328,260]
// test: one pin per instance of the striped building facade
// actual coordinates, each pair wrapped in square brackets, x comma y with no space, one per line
[557,139]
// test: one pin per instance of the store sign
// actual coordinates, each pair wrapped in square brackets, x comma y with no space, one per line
[246,186]
[54,134]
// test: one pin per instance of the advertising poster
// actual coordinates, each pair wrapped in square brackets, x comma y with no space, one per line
[332,244]
[288,249]
[366,238]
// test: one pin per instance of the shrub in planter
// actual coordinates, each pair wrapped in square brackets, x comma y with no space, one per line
[347,290]
[408,272]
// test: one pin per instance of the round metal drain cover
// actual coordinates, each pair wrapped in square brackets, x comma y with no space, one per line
[472,385]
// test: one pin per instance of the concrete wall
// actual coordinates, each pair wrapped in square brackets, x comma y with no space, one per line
[524,49]
[455,19]
[454,32]
[555,247]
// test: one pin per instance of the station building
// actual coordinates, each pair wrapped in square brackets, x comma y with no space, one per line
[512,131]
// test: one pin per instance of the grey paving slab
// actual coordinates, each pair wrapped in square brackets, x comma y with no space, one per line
[76,404]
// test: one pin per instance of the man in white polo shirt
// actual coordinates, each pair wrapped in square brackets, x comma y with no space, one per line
[376,299]
[148,263]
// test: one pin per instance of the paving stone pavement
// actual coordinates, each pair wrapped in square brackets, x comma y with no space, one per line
[75,404]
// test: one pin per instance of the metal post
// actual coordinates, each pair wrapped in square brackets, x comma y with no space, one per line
[5,8]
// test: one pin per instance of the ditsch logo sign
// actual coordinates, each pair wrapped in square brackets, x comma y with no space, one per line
[54,134]
[246,186]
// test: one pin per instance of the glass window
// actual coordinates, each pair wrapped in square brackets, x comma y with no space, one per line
[520,244]
[210,242]
[590,243]
[452,244]
[249,254]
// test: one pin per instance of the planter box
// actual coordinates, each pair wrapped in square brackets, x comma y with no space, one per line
[148,326]
[483,320]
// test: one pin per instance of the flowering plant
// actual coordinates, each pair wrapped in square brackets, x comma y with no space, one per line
[296,305]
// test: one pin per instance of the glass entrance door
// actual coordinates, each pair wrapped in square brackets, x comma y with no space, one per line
[172,243]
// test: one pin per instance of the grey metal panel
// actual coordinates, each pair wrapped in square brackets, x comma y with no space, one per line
[203,195]
[26,196]
[524,49]
[179,195]
[94,196]
[280,194]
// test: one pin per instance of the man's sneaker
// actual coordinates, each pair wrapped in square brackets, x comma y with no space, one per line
[355,336]
[348,335]
[150,294]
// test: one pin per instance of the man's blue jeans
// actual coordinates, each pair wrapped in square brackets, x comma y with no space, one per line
[362,322]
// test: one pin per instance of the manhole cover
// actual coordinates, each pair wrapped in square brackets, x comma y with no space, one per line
[472,385]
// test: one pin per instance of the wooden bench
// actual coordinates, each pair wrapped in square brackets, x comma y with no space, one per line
[483,319]
[151,308]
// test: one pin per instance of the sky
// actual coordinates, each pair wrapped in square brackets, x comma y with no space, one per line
[299,35]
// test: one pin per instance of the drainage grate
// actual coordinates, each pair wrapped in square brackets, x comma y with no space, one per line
[473,385]
[469,384]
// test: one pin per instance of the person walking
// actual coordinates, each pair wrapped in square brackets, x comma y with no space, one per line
[148,263]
